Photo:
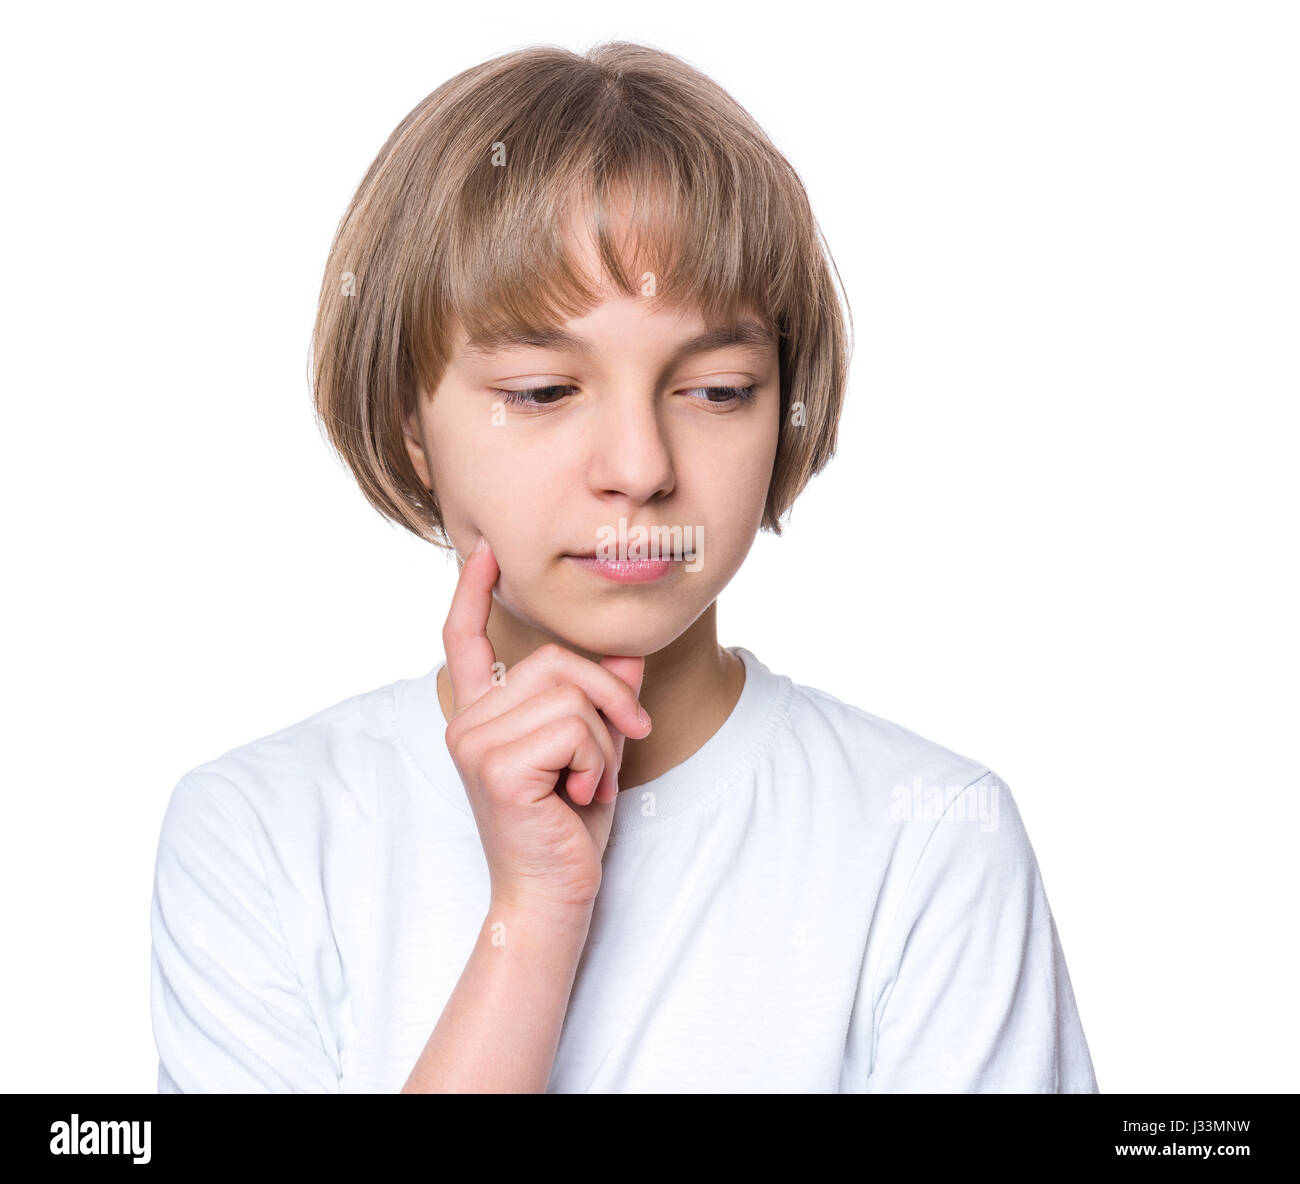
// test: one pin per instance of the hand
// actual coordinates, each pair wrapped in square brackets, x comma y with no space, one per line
[539,755]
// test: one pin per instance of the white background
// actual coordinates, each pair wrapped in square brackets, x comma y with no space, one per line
[1059,536]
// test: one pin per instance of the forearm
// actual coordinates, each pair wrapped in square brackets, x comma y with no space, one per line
[501,1027]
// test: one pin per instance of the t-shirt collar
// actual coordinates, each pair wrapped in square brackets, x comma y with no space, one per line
[710,771]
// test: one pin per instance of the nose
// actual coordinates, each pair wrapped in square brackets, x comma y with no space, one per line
[631,456]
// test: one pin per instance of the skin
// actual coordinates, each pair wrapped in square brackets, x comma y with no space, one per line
[634,436]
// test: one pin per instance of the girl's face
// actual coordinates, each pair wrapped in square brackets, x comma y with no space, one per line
[626,428]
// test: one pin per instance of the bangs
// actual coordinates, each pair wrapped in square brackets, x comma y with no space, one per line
[591,192]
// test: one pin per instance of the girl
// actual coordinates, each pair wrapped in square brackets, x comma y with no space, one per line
[578,326]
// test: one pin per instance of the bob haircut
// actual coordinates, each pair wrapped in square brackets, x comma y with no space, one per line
[459,224]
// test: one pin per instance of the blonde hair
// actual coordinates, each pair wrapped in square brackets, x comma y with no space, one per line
[439,235]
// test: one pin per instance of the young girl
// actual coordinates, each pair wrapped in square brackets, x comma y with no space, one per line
[578,325]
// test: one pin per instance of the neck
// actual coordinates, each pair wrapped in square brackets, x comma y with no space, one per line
[690,688]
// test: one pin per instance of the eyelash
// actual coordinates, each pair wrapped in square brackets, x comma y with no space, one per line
[740,394]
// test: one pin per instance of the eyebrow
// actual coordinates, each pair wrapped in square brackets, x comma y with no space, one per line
[746,332]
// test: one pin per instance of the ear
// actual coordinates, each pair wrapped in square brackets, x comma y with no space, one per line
[414,441]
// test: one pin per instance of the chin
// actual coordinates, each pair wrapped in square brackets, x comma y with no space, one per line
[631,639]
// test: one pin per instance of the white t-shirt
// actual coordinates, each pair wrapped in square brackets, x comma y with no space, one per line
[818,900]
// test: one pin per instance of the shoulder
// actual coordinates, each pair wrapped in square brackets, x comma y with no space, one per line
[301,773]
[896,793]
[884,761]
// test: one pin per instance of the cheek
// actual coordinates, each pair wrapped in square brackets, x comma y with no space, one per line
[516,501]
[481,481]
[739,474]
[512,511]
[736,496]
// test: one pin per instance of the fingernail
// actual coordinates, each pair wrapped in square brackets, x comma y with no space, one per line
[641,715]
[482,542]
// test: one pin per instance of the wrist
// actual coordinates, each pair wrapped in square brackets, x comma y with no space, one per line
[541,912]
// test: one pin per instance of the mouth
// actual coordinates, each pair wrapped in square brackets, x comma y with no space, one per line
[627,571]
[672,544]
[686,554]
[655,552]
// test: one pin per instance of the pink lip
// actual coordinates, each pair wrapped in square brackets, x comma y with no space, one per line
[626,571]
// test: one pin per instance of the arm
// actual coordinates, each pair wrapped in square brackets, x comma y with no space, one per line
[514,746]
[973,994]
[501,1027]
[230,1014]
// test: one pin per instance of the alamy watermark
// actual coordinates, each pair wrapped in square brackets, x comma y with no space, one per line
[84,1137]
[920,802]
[651,542]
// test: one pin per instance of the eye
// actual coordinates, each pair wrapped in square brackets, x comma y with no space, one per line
[727,394]
[536,396]
[545,396]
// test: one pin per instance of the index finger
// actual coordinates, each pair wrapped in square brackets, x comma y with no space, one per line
[469,653]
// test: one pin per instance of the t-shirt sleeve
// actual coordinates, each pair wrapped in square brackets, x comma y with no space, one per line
[229,1011]
[973,994]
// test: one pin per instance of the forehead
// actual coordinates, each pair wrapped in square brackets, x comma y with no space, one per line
[745,331]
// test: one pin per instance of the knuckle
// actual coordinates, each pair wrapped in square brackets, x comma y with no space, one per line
[468,747]
[572,698]
[492,768]
[550,653]
[576,730]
